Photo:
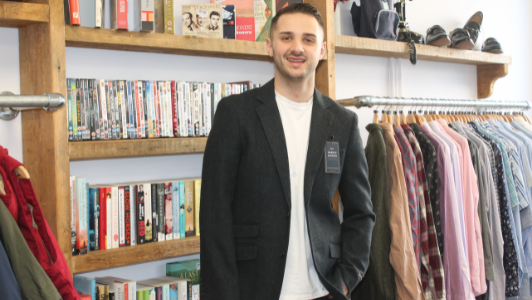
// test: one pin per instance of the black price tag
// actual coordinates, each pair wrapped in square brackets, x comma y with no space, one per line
[332,157]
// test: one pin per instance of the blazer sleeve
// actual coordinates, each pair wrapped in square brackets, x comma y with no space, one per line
[219,275]
[359,219]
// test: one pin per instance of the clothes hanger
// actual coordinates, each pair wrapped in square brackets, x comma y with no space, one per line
[411,117]
[375,117]
[2,190]
[402,118]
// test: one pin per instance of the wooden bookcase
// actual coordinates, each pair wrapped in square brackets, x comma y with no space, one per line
[47,152]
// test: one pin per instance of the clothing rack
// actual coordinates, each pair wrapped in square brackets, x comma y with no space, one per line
[480,105]
[11,104]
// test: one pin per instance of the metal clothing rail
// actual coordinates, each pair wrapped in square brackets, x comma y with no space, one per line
[11,104]
[369,101]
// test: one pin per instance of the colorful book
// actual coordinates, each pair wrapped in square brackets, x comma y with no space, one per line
[115,217]
[229,21]
[197,197]
[169,26]
[121,217]
[103,218]
[127,215]
[202,20]
[264,13]
[182,209]
[83,216]
[175,209]
[189,206]
[94,214]
[74,12]
[102,291]
[133,213]
[148,237]
[73,215]
[141,222]
[245,18]
[154,212]
[147,15]
[168,211]
[85,285]
[161,231]
[119,12]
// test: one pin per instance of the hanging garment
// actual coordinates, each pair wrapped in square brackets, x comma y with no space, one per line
[8,285]
[430,164]
[402,256]
[36,231]
[470,204]
[433,276]
[457,285]
[379,282]
[510,259]
[33,282]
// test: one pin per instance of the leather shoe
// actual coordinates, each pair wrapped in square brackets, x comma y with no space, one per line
[460,39]
[473,26]
[436,36]
[491,45]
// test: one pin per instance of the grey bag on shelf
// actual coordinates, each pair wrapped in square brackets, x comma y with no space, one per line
[372,20]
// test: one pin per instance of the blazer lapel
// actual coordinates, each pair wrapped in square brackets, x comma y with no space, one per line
[320,125]
[273,127]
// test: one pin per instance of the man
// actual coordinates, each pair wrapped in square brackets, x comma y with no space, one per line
[215,18]
[188,23]
[273,162]
[201,19]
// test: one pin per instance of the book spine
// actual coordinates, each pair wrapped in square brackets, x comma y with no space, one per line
[190,107]
[148,214]
[73,214]
[127,216]
[122,10]
[91,203]
[115,217]
[121,217]
[162,109]
[168,102]
[81,242]
[182,110]
[147,15]
[103,218]
[86,111]
[189,206]
[182,209]
[140,109]
[74,12]
[175,121]
[169,27]
[175,210]
[112,107]
[161,233]
[133,213]
[157,109]
[131,111]
[210,109]
[97,109]
[154,211]
[168,212]
[79,102]
[147,108]
[202,108]
[69,108]
[119,101]
[66,5]
[124,109]
[141,223]
[116,109]
[197,197]
[99,13]
[74,110]
[109,101]
[109,216]
[194,101]
[92,114]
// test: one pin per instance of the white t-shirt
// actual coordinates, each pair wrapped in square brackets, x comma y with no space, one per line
[301,282]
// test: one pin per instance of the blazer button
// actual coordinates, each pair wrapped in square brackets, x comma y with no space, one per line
[288,214]
[282,253]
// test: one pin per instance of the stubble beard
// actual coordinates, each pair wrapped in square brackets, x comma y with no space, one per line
[283,70]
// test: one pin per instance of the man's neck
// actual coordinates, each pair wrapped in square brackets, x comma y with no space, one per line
[298,91]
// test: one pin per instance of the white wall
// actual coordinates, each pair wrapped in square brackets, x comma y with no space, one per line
[355,75]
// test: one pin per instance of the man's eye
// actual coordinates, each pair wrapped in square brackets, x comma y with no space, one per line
[309,41]
[286,38]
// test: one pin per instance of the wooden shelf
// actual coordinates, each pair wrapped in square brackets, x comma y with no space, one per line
[20,14]
[100,38]
[135,147]
[382,48]
[103,259]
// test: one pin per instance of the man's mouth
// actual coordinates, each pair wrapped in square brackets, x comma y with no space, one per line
[296,61]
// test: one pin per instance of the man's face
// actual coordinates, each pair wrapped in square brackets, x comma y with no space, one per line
[214,20]
[296,45]
[186,19]
[201,20]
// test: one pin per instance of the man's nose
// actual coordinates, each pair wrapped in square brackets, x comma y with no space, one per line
[297,47]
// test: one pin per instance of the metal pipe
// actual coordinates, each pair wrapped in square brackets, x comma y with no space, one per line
[11,104]
[370,101]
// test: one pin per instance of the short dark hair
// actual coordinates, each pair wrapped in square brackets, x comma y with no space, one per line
[214,13]
[189,14]
[303,8]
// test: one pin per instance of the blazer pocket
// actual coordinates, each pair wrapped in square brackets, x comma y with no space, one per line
[245,252]
[245,231]
[335,251]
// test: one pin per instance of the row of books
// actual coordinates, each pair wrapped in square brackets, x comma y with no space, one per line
[242,19]
[119,109]
[108,217]
[182,282]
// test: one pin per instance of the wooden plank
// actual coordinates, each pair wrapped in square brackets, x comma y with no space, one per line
[44,134]
[135,147]
[100,38]
[382,48]
[103,259]
[20,14]
[486,77]
[325,73]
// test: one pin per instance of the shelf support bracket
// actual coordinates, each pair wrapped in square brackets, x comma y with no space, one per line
[486,77]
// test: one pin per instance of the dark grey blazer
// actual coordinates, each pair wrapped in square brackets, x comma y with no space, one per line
[245,199]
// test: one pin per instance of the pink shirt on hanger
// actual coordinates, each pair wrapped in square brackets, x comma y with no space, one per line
[472,222]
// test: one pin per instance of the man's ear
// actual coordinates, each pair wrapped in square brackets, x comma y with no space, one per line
[269,46]
[322,52]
